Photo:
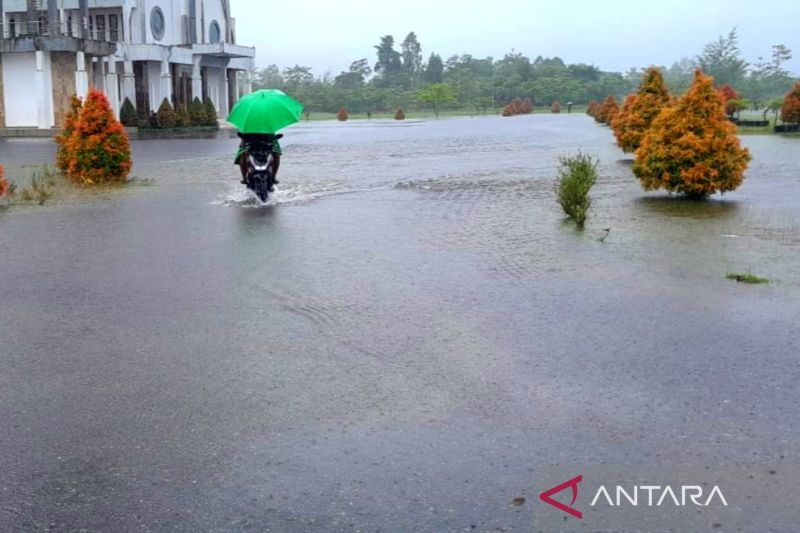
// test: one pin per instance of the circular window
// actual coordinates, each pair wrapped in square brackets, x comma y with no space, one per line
[157,24]
[214,33]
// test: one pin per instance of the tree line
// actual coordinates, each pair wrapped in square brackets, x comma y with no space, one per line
[400,77]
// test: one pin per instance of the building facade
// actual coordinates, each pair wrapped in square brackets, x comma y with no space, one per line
[144,50]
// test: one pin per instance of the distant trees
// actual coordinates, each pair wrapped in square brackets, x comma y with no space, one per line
[399,71]
[691,147]
[640,109]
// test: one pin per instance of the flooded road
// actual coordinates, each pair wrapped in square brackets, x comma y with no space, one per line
[398,344]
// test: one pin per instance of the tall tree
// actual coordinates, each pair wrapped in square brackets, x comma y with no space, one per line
[389,60]
[722,60]
[436,96]
[412,56]
[434,70]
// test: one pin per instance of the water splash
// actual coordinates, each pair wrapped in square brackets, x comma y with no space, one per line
[240,196]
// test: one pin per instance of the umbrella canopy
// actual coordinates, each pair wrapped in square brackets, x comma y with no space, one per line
[265,111]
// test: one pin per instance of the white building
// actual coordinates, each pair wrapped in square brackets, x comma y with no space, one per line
[145,50]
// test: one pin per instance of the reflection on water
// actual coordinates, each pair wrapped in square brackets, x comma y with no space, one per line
[678,206]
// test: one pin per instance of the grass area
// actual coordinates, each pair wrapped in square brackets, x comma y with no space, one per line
[426,114]
[748,278]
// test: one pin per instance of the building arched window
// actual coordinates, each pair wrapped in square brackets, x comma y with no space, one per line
[157,23]
[214,32]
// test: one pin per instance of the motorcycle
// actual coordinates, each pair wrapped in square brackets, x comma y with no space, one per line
[260,165]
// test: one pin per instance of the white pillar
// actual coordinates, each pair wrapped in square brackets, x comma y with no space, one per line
[112,85]
[197,79]
[128,82]
[248,82]
[222,112]
[166,83]
[44,92]
[81,76]
[99,74]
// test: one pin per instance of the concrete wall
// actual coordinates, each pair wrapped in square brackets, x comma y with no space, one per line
[63,65]
[2,98]
[20,90]
[212,10]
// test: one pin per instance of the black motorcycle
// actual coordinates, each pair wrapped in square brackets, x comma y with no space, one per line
[259,164]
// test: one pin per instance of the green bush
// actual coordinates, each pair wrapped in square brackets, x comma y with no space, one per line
[197,113]
[576,177]
[182,119]
[127,114]
[211,112]
[166,116]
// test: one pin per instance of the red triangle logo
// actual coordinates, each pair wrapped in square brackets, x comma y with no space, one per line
[546,496]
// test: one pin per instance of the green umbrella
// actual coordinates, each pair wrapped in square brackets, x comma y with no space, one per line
[265,111]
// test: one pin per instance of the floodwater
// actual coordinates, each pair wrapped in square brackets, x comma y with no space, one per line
[397,343]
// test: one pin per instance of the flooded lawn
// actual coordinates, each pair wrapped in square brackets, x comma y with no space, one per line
[397,344]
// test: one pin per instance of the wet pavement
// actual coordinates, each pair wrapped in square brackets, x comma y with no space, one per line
[398,343]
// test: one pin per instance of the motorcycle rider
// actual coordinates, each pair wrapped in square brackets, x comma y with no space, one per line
[241,154]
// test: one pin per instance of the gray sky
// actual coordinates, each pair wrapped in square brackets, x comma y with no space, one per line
[613,34]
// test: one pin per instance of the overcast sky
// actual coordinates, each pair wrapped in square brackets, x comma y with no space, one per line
[613,34]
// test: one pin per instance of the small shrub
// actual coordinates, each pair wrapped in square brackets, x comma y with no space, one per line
[729,96]
[399,114]
[518,106]
[182,119]
[127,114]
[62,156]
[592,108]
[749,278]
[342,115]
[607,111]
[197,113]
[555,107]
[41,188]
[98,148]
[576,177]
[211,113]
[166,115]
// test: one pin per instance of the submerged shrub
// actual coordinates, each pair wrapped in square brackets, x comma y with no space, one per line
[577,175]
[342,115]
[691,147]
[555,107]
[4,184]
[399,114]
[607,111]
[790,110]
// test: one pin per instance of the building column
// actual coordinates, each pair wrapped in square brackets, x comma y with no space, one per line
[81,76]
[44,97]
[112,85]
[248,82]
[197,79]
[166,82]
[128,82]
[222,110]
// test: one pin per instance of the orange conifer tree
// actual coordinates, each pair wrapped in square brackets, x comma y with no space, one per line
[692,147]
[4,185]
[729,98]
[62,156]
[639,110]
[342,115]
[790,111]
[607,111]
[555,107]
[98,148]
[592,108]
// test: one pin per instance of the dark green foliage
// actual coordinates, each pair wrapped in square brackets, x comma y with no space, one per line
[197,113]
[182,119]
[576,177]
[211,112]
[127,114]
[166,116]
